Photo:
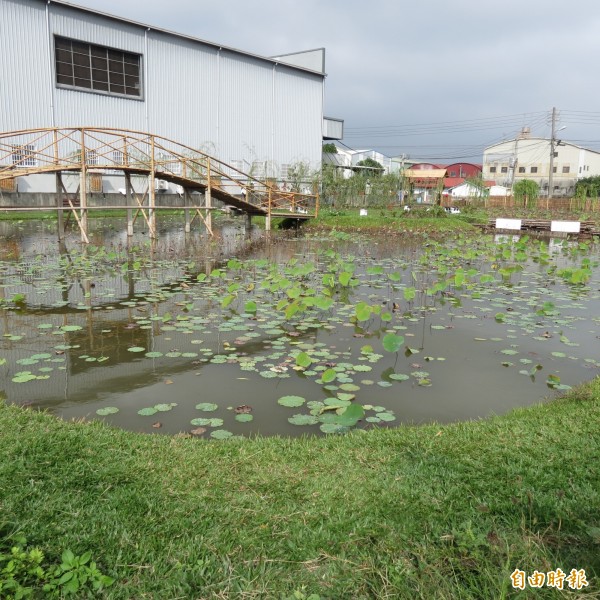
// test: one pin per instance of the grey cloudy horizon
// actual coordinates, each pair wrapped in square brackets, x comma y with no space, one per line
[437,81]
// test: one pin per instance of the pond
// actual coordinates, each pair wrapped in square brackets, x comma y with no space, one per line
[308,334]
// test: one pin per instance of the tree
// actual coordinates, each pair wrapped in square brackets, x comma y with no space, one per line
[588,187]
[526,191]
[329,148]
[373,168]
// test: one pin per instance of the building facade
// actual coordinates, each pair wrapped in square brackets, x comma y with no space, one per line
[67,66]
[529,158]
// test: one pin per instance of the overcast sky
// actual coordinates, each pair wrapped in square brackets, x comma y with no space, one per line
[435,79]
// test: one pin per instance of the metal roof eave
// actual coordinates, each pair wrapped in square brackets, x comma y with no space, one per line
[179,35]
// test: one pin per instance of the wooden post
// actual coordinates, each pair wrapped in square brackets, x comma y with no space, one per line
[186,210]
[83,224]
[208,198]
[59,207]
[248,222]
[152,196]
[268,217]
[128,204]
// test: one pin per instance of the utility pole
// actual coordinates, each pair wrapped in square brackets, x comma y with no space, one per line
[551,173]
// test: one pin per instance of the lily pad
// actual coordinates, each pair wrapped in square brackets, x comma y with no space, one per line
[291,401]
[108,410]
[303,420]
[207,406]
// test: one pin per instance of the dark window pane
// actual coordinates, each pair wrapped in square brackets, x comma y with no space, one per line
[99,63]
[115,55]
[62,43]
[98,51]
[64,79]
[116,79]
[82,72]
[115,66]
[133,82]
[117,89]
[101,85]
[132,59]
[132,91]
[80,47]
[83,83]
[131,69]
[64,68]
[64,55]
[81,59]
[98,75]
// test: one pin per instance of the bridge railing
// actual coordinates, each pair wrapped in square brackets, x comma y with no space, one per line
[86,149]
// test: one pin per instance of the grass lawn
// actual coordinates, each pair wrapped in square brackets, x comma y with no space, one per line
[394,221]
[413,512]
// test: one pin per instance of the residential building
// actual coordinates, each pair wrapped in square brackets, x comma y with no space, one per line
[528,157]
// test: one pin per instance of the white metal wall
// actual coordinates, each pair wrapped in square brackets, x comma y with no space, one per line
[233,105]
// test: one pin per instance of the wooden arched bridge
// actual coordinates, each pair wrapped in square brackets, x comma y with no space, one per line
[87,151]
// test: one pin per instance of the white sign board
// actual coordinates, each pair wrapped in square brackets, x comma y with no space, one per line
[363,212]
[566,226]
[508,223]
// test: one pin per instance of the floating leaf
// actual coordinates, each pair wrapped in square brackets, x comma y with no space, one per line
[399,376]
[291,401]
[244,417]
[147,412]
[303,420]
[136,349]
[108,410]
[207,406]
[220,434]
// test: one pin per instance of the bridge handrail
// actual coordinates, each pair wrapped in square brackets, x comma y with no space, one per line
[194,165]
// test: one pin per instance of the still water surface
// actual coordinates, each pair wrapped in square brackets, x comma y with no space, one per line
[130,328]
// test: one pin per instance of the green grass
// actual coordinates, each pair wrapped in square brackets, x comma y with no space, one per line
[391,220]
[413,512]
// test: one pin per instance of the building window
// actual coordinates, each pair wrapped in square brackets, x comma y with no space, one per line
[492,169]
[91,158]
[554,169]
[533,170]
[521,169]
[24,156]
[89,67]
[504,169]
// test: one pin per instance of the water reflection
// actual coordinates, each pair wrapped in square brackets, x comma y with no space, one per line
[137,330]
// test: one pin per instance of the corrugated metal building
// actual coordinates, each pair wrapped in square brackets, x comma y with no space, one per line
[67,66]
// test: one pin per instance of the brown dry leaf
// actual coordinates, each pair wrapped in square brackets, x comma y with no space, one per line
[168,381]
[243,409]
[198,431]
[157,425]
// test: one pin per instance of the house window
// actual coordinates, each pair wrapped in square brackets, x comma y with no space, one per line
[104,70]
[117,157]
[521,169]
[91,158]
[504,169]
[533,170]
[554,169]
[492,169]
[24,156]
